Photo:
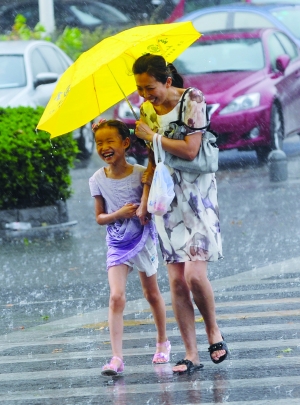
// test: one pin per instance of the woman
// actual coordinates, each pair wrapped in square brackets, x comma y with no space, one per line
[189,233]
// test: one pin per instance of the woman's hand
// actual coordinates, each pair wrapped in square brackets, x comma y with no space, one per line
[143,131]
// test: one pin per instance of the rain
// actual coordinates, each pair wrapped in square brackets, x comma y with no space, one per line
[54,293]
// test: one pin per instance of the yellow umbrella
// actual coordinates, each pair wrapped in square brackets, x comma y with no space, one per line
[102,76]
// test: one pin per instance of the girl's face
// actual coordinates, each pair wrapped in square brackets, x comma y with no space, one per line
[110,145]
[152,90]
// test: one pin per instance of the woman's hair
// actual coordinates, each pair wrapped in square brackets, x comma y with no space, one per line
[156,66]
[119,125]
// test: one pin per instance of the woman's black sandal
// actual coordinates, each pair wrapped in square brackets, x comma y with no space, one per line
[216,347]
[190,366]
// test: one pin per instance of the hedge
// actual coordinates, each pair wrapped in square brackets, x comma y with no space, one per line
[34,171]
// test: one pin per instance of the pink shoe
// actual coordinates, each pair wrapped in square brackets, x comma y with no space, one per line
[162,358]
[110,369]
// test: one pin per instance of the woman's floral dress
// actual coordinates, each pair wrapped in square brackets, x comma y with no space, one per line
[190,230]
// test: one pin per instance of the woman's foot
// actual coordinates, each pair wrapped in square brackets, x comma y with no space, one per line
[114,367]
[217,347]
[162,354]
[186,366]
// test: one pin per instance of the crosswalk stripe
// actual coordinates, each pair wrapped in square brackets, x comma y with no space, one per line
[154,388]
[249,313]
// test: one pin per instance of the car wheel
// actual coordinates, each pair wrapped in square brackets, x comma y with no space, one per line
[276,135]
[85,141]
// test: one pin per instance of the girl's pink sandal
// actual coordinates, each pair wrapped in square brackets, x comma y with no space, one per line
[110,369]
[162,358]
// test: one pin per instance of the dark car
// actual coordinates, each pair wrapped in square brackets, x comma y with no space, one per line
[72,13]
[29,71]
[251,83]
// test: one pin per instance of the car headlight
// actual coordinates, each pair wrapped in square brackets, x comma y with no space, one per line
[125,111]
[241,103]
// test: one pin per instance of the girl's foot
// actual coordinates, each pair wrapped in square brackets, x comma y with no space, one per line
[162,354]
[114,367]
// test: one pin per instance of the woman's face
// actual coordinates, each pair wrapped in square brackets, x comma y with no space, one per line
[150,89]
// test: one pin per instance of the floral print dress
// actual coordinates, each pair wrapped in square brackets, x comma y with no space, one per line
[190,230]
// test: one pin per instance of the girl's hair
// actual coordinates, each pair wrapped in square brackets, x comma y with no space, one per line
[156,66]
[119,125]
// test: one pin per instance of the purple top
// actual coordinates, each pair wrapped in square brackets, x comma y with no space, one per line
[125,237]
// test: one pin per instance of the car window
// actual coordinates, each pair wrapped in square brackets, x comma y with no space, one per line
[275,50]
[250,20]
[193,5]
[289,47]
[29,10]
[12,71]
[90,14]
[290,18]
[38,63]
[221,56]
[53,60]
[211,22]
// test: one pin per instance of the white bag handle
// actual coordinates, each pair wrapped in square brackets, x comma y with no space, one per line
[159,153]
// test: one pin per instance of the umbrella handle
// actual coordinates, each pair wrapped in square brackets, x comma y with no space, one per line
[130,106]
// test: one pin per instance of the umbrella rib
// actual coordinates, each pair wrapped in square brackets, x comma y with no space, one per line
[126,98]
[96,93]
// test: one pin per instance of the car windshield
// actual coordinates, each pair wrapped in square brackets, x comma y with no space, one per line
[91,15]
[290,18]
[221,55]
[12,71]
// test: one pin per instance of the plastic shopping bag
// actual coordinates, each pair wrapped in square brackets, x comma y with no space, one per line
[162,188]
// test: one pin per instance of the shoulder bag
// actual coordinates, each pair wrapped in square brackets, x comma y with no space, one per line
[207,159]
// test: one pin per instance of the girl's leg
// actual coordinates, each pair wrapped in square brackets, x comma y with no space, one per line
[153,296]
[117,277]
[184,312]
[199,285]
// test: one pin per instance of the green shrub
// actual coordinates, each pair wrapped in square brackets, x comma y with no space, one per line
[34,171]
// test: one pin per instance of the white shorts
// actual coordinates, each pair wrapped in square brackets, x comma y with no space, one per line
[146,260]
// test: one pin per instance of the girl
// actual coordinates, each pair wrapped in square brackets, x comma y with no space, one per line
[189,234]
[121,205]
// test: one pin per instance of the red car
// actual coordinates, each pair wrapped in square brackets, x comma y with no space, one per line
[251,82]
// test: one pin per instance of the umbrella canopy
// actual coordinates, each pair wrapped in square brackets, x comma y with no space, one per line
[102,76]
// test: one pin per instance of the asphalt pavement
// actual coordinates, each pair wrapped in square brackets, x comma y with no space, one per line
[54,297]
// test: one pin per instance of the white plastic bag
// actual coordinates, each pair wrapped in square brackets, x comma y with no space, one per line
[162,188]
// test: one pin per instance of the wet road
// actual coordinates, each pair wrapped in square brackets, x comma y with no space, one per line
[54,296]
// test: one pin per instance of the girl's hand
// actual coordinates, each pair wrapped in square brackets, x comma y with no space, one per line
[128,210]
[142,131]
[143,214]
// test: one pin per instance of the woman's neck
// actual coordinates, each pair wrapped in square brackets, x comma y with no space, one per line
[119,170]
[173,96]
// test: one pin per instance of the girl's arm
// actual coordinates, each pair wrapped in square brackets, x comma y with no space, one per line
[142,212]
[102,218]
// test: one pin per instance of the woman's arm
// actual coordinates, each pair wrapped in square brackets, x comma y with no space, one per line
[187,148]
[102,218]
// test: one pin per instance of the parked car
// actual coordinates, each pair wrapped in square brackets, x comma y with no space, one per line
[86,14]
[285,17]
[182,7]
[28,74]
[251,82]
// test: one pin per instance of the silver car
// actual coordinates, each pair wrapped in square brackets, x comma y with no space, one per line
[29,71]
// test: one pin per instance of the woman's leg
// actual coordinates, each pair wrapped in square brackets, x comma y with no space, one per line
[199,285]
[153,296]
[117,277]
[184,312]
